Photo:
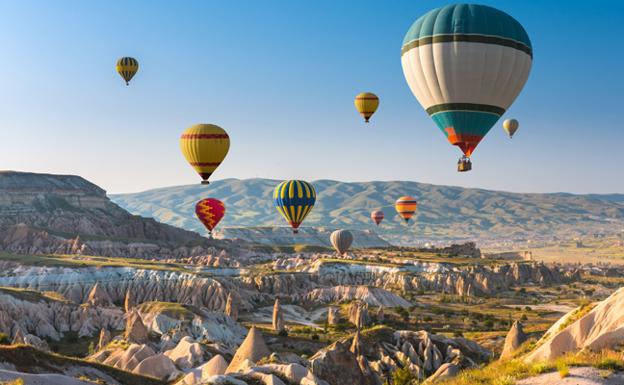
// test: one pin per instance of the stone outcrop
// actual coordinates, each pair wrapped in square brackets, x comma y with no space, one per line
[515,338]
[157,366]
[251,350]
[370,357]
[129,302]
[35,206]
[333,316]
[136,331]
[231,307]
[371,295]
[186,354]
[105,338]
[51,318]
[278,317]
[99,297]
[600,328]
[358,314]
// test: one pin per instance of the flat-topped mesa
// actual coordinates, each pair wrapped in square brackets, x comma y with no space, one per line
[31,192]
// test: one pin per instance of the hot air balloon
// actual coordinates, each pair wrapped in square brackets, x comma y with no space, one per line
[466,64]
[210,211]
[341,240]
[127,67]
[294,199]
[377,216]
[204,146]
[366,103]
[511,126]
[406,207]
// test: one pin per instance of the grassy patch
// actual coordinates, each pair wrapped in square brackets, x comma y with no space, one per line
[31,295]
[171,309]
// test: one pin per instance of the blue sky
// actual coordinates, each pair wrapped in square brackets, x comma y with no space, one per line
[280,77]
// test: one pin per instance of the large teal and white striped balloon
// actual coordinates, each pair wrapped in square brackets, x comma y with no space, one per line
[466,64]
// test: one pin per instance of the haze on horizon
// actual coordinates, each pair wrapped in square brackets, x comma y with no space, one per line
[281,80]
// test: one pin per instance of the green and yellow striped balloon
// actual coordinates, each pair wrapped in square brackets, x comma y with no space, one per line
[294,199]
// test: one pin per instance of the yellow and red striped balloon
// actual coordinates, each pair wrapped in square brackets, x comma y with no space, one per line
[204,146]
[366,103]
[406,207]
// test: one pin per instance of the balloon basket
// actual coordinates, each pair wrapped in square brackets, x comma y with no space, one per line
[464,164]
[205,182]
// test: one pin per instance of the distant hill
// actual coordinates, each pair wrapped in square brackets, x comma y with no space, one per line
[445,213]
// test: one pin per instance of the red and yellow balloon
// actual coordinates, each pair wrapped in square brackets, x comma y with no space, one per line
[210,211]
[406,207]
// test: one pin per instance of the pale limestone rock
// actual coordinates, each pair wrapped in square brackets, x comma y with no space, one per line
[105,337]
[515,338]
[99,297]
[136,331]
[231,307]
[252,349]
[158,366]
[278,317]
[186,354]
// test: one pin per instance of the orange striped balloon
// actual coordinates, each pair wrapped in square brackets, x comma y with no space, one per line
[406,207]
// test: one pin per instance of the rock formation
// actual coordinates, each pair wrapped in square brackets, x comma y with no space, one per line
[136,331]
[358,314]
[600,328]
[252,349]
[380,351]
[278,317]
[231,307]
[216,366]
[186,354]
[333,316]
[105,338]
[157,366]
[99,297]
[515,338]
[129,302]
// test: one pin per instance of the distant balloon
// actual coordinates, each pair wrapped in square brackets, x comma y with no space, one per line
[377,216]
[294,199]
[366,103]
[406,207]
[511,126]
[210,211]
[341,240]
[127,67]
[466,64]
[204,146]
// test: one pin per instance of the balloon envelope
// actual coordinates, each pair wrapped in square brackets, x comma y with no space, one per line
[366,103]
[511,126]
[210,211]
[341,240]
[294,200]
[127,67]
[377,216]
[466,64]
[204,146]
[406,207]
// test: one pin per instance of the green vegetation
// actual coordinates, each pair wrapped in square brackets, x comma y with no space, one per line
[171,309]
[88,261]
[515,369]
[31,295]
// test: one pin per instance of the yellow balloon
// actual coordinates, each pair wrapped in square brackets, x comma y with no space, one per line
[127,67]
[511,126]
[366,103]
[204,146]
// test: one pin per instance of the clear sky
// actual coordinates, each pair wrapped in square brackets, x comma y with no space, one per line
[280,77]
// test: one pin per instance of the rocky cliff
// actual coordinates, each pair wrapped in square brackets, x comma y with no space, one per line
[44,213]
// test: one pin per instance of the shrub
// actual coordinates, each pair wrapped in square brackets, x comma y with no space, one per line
[283,333]
[524,317]
[315,337]
[4,339]
[563,369]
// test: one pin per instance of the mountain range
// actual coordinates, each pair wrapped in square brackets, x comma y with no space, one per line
[445,213]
